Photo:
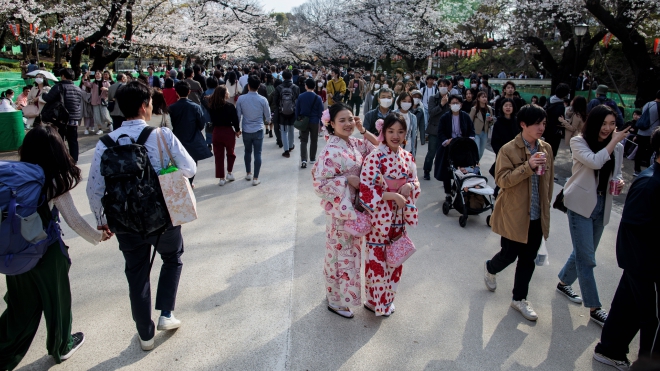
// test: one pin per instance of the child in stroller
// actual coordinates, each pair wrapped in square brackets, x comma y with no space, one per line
[470,190]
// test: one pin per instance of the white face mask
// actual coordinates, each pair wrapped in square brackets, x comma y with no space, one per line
[456,107]
[39,80]
[406,106]
[377,86]
[385,103]
[473,86]
[407,77]
[417,101]
[461,83]
[386,86]
[320,84]
[443,90]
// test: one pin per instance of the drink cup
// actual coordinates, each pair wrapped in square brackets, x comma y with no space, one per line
[540,170]
[614,189]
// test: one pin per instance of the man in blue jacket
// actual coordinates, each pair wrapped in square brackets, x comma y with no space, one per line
[309,104]
[636,302]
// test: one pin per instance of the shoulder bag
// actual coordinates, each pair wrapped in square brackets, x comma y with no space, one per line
[400,248]
[302,122]
[559,202]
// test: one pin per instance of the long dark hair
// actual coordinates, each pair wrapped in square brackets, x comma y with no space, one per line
[231,77]
[43,146]
[507,100]
[158,102]
[579,105]
[217,99]
[591,128]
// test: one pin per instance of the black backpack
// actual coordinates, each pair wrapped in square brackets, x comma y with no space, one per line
[133,201]
[55,112]
[287,101]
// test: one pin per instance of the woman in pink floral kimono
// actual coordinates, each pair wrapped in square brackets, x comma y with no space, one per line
[389,189]
[336,179]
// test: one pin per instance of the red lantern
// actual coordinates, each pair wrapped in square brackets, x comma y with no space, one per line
[656,46]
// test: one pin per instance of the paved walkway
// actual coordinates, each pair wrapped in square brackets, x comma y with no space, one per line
[252,294]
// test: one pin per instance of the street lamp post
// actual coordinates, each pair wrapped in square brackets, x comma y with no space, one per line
[579,30]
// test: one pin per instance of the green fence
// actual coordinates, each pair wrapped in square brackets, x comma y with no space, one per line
[527,92]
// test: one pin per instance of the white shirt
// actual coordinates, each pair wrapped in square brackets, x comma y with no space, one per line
[427,93]
[243,81]
[133,128]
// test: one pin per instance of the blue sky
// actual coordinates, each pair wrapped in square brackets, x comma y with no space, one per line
[280,5]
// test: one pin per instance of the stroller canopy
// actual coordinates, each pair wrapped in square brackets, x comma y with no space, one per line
[463,152]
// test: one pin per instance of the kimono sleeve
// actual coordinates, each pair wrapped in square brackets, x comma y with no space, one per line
[371,182]
[364,146]
[332,187]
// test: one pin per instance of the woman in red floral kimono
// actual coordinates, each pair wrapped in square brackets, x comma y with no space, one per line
[336,179]
[389,189]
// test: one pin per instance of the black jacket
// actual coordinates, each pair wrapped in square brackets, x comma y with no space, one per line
[504,131]
[225,116]
[444,132]
[187,124]
[73,98]
[436,111]
[553,127]
[637,248]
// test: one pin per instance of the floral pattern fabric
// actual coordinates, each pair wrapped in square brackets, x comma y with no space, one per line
[336,162]
[387,220]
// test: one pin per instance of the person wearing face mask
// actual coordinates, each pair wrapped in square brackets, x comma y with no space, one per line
[405,104]
[385,99]
[99,98]
[34,97]
[452,125]
[460,87]
[418,110]
[418,82]
[320,91]
[438,106]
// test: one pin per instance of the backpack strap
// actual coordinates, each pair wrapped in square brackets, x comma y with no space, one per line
[108,141]
[144,135]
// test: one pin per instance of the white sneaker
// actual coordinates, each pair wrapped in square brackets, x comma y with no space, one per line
[147,345]
[222,182]
[621,365]
[489,279]
[248,177]
[86,132]
[525,308]
[256,182]
[99,132]
[230,177]
[168,323]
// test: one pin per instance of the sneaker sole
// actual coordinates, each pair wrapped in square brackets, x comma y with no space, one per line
[533,319]
[73,350]
[597,321]
[168,327]
[574,300]
[606,361]
[148,347]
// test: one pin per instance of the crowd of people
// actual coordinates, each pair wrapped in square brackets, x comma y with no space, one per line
[368,184]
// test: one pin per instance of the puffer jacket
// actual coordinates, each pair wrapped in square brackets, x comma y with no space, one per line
[73,98]
[513,175]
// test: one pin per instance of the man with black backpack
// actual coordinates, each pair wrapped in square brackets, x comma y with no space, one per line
[125,195]
[285,96]
[68,95]
[646,124]
[554,131]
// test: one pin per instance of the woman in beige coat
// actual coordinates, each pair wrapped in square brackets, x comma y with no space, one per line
[40,89]
[576,115]
[482,117]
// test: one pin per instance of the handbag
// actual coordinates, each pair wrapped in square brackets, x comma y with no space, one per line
[177,192]
[559,202]
[400,248]
[30,111]
[362,224]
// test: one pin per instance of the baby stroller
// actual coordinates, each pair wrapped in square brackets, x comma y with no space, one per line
[463,159]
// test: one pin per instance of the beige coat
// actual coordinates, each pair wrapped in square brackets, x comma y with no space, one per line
[480,121]
[573,125]
[580,189]
[513,175]
[33,94]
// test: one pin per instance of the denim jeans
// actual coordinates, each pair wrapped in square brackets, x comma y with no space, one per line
[585,234]
[253,141]
[287,136]
[426,117]
[482,140]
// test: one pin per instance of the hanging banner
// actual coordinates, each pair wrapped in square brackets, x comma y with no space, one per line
[606,39]
[428,67]
[656,46]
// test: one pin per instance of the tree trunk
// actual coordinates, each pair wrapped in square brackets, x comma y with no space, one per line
[647,75]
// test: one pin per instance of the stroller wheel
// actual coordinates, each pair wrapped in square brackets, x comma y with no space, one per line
[445,207]
[488,220]
[462,221]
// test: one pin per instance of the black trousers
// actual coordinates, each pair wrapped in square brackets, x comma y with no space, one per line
[525,253]
[137,254]
[447,186]
[278,134]
[644,152]
[116,122]
[554,141]
[634,308]
[355,104]
[70,134]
